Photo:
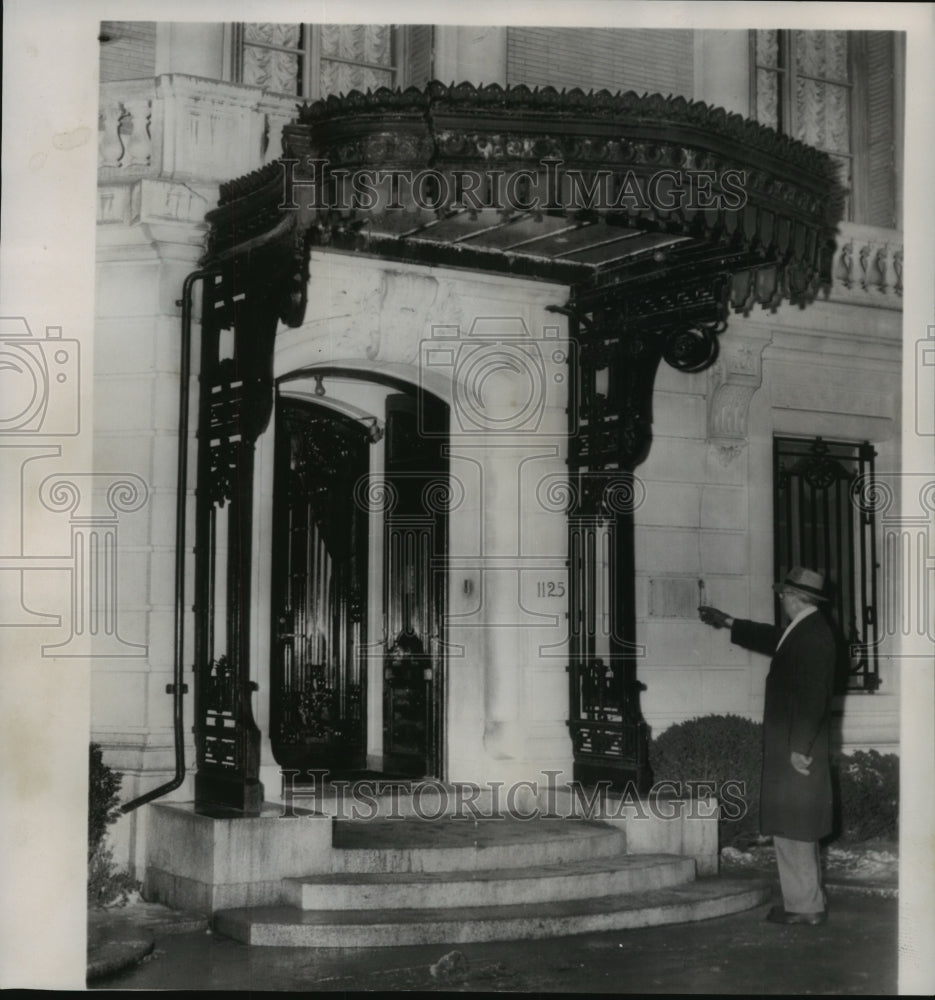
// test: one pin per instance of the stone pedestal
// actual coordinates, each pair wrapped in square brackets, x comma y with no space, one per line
[652,824]
[204,863]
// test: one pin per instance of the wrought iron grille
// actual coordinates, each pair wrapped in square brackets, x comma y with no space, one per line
[819,524]
[319,582]
[609,431]
[608,732]
[231,414]
[415,570]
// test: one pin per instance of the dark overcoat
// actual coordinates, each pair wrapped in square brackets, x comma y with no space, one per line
[796,717]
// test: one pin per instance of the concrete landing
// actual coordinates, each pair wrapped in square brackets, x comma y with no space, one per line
[210,862]
[287,926]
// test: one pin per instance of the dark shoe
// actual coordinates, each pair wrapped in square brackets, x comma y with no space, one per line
[777,915]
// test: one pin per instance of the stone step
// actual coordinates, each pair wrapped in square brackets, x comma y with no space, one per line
[489,887]
[462,845]
[287,926]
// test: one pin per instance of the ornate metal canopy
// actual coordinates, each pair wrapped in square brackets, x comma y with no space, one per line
[660,214]
[599,191]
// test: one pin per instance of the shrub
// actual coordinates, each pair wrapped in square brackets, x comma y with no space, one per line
[106,885]
[103,798]
[866,795]
[719,748]
[716,749]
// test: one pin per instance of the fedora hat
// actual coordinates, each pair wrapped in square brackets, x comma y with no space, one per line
[806,581]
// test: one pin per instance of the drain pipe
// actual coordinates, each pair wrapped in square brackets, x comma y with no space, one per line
[177,688]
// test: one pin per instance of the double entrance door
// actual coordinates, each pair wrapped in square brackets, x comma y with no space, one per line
[359,526]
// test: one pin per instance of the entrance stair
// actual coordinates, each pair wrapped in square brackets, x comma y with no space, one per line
[406,881]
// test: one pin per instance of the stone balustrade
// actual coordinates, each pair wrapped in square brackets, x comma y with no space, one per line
[187,128]
[125,143]
[867,267]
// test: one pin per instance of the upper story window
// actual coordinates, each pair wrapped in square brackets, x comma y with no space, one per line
[803,88]
[315,60]
[837,91]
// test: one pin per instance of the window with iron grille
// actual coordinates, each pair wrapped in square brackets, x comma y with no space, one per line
[819,524]
[837,91]
[314,60]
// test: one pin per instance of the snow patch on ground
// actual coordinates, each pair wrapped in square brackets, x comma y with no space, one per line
[853,861]
[868,863]
[733,856]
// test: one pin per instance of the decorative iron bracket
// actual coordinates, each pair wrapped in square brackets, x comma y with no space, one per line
[620,342]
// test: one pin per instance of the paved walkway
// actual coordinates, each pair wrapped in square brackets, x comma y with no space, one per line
[854,953]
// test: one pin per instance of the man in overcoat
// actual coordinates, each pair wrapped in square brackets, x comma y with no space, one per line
[795,796]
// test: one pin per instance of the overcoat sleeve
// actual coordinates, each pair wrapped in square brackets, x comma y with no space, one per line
[759,637]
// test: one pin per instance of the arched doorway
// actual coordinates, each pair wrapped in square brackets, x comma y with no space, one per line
[358,580]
